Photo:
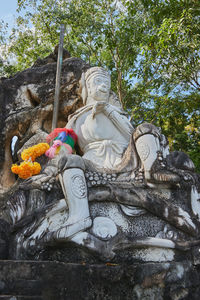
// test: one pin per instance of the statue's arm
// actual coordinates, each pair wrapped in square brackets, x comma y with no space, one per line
[119,120]
[117,117]
[51,168]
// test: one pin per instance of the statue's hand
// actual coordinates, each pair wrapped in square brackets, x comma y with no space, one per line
[98,107]
[37,181]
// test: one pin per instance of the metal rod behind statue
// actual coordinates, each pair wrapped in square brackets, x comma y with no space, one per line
[58,73]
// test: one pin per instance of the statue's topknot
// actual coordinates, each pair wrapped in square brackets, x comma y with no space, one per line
[95,71]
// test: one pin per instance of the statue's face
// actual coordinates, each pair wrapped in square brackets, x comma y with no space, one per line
[99,87]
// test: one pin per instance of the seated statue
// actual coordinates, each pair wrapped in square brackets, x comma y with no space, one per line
[104,134]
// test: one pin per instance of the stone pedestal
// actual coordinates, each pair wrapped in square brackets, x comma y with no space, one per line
[42,280]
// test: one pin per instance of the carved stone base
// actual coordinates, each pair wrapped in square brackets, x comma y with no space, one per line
[142,225]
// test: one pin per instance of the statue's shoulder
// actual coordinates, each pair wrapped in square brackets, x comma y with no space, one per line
[73,117]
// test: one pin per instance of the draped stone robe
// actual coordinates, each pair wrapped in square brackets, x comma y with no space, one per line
[103,138]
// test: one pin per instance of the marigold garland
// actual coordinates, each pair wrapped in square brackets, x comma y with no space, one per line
[34,151]
[28,167]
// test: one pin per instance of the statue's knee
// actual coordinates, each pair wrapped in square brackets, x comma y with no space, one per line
[148,141]
[146,128]
[71,161]
[151,135]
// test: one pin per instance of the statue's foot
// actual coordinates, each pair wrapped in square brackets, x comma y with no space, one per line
[164,177]
[35,245]
[89,241]
[68,231]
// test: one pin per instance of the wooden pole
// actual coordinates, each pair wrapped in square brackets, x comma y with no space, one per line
[58,73]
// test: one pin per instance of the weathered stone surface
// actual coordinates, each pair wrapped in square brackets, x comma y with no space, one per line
[21,279]
[61,281]
[4,239]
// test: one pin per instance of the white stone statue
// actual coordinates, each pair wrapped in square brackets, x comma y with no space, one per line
[103,131]
[104,134]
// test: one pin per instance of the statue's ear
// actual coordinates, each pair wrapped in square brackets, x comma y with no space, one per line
[83,89]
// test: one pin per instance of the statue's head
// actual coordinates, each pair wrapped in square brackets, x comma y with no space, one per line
[95,85]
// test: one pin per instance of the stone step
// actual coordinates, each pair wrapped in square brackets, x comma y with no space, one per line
[21,279]
[19,297]
[21,287]
[53,280]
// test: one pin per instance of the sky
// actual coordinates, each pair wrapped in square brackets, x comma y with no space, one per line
[8,10]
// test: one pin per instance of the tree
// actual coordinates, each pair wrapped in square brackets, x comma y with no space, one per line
[3,27]
[169,71]
[97,31]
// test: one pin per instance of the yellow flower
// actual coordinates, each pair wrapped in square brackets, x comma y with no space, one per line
[36,168]
[15,168]
[29,168]
[34,151]
[26,169]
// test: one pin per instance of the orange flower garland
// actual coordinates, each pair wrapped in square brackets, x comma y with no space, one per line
[34,151]
[28,167]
